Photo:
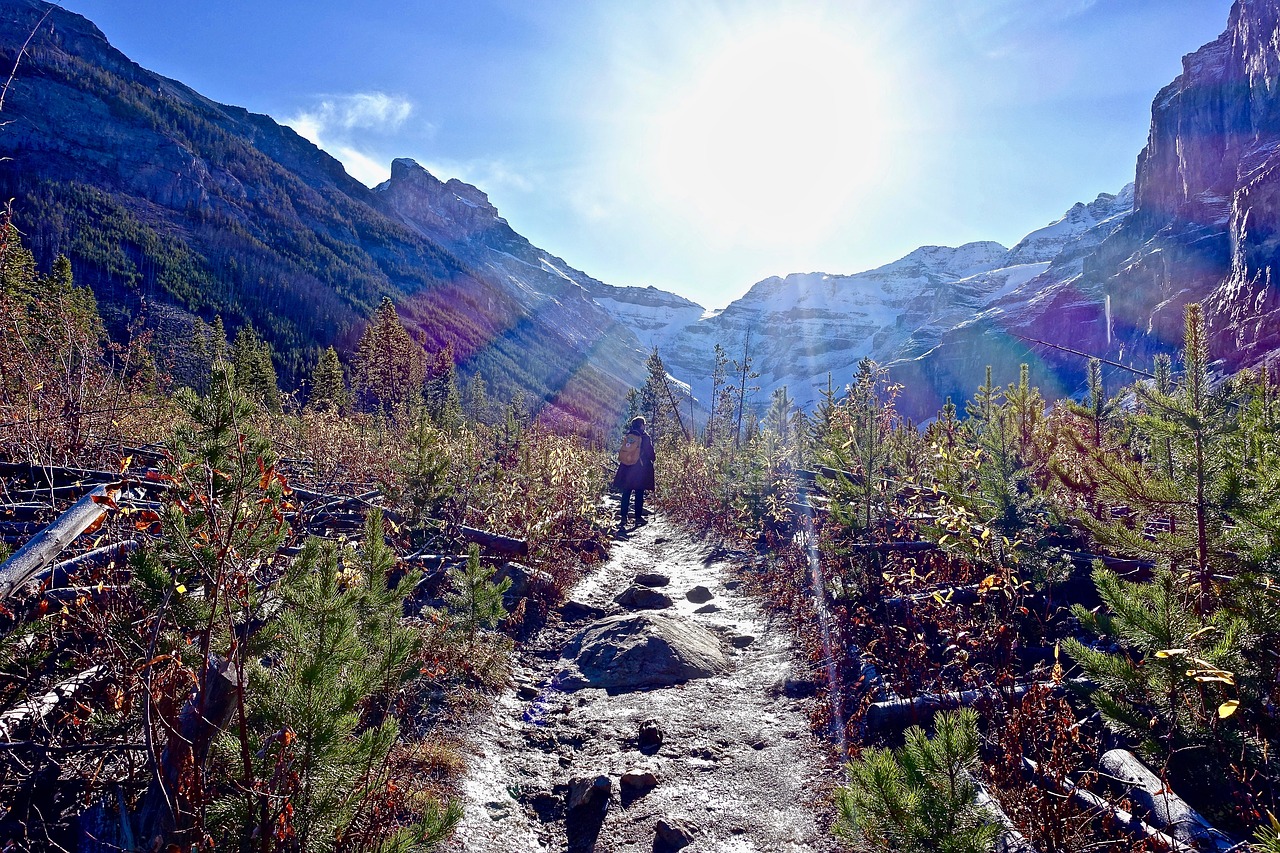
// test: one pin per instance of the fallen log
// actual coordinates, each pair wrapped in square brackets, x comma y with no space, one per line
[1010,839]
[1165,810]
[35,709]
[507,545]
[897,714]
[47,545]
[909,546]
[113,551]
[1120,565]
[1099,808]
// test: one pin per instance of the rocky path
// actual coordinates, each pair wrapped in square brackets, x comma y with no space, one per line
[723,761]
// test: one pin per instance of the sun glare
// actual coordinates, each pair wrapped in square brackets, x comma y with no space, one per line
[773,136]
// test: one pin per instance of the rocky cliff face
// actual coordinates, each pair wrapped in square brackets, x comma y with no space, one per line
[1206,215]
[1205,209]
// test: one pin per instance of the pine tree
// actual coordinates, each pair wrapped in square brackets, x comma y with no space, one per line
[743,371]
[1179,509]
[389,368]
[921,798]
[475,404]
[313,749]
[440,391]
[1165,688]
[426,470]
[475,605]
[719,418]
[218,340]
[654,396]
[328,386]
[255,374]
[858,442]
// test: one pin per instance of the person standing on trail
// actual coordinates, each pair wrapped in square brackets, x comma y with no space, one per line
[635,470]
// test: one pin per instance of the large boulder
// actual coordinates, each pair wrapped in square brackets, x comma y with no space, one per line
[638,650]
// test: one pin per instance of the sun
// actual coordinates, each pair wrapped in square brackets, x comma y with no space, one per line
[773,135]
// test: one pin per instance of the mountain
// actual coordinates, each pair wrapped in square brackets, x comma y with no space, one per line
[1200,223]
[1204,226]
[172,206]
[804,328]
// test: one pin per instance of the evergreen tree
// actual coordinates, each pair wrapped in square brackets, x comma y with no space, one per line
[1177,668]
[426,470]
[328,386]
[389,368]
[921,798]
[440,391]
[218,340]
[475,604]
[720,417]
[475,404]
[317,736]
[255,375]
[859,444]
[745,375]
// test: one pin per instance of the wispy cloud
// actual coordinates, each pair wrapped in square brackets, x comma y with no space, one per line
[340,123]
[488,175]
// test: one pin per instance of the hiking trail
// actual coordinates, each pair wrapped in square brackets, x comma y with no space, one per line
[724,763]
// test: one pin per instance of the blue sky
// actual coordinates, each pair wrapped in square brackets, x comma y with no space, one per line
[696,145]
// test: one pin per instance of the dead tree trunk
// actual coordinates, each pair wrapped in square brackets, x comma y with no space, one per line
[204,715]
[1165,809]
[48,544]
[897,714]
[1010,840]
[495,542]
[36,709]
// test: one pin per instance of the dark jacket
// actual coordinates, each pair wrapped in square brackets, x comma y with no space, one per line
[640,475]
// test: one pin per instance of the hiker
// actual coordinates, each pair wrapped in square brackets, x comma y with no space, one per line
[635,469]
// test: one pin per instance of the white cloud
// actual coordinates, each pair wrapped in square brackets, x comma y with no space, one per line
[375,111]
[361,166]
[485,174]
[339,123]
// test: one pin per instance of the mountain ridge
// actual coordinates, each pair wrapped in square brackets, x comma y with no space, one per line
[169,203]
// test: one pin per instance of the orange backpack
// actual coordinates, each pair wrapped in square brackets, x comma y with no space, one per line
[629,453]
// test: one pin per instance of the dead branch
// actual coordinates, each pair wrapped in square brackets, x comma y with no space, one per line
[1099,808]
[37,708]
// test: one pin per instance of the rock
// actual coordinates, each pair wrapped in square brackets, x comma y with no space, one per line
[638,780]
[708,608]
[699,594]
[735,584]
[672,834]
[799,688]
[519,577]
[644,598]
[652,579]
[527,692]
[650,736]
[741,641]
[589,792]
[637,650]
[578,611]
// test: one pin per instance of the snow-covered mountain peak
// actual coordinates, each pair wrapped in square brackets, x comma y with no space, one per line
[1044,244]
[957,262]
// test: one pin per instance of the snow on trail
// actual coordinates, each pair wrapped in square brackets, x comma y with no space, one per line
[738,769]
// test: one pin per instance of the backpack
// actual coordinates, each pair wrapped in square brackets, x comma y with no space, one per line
[629,453]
